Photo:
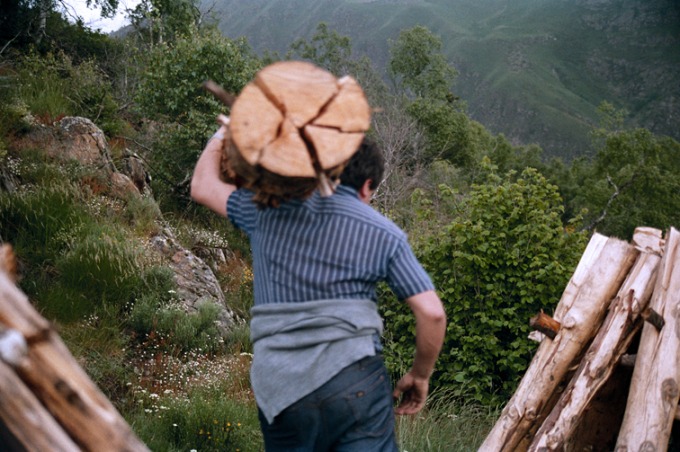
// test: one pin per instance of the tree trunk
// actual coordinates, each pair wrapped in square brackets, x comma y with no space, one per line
[42,363]
[598,277]
[654,393]
[612,340]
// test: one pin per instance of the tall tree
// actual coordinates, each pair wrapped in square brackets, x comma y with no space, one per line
[633,180]
[159,21]
[418,65]
[421,73]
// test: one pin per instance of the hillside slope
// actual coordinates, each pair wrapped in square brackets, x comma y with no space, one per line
[533,70]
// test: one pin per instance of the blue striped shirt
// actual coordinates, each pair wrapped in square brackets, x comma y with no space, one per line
[325,248]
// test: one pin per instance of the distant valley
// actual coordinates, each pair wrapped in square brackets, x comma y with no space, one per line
[534,70]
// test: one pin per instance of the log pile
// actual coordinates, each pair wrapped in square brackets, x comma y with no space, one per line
[47,402]
[605,375]
[292,130]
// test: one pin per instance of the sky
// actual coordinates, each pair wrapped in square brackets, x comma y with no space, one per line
[92,17]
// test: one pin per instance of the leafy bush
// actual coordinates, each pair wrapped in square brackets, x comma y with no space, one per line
[503,258]
[52,86]
[171,91]
[181,331]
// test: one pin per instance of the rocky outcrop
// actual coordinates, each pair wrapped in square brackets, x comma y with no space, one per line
[79,139]
[196,282]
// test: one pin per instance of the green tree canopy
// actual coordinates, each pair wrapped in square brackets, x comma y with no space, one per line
[504,257]
[633,180]
[417,64]
[171,91]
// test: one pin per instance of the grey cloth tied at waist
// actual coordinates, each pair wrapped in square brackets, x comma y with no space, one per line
[297,347]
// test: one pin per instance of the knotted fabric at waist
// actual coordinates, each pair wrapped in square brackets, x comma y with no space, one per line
[297,347]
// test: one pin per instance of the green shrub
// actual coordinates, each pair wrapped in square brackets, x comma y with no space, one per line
[208,421]
[503,258]
[171,91]
[52,87]
[152,317]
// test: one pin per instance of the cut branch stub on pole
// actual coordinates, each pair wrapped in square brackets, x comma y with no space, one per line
[545,324]
[293,129]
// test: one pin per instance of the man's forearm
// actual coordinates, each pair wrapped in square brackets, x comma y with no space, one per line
[207,187]
[430,331]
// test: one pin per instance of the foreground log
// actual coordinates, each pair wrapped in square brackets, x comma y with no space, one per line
[43,369]
[597,278]
[295,125]
[613,339]
[654,392]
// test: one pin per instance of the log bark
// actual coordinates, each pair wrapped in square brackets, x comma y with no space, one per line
[581,309]
[54,377]
[621,324]
[654,393]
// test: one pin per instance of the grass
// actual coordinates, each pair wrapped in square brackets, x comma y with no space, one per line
[179,382]
[448,424]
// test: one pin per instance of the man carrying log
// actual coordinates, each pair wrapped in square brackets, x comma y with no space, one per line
[317,372]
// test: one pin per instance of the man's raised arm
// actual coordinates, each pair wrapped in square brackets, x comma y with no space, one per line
[207,187]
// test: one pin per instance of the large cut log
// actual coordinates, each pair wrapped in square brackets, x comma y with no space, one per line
[580,311]
[295,125]
[47,368]
[623,321]
[654,393]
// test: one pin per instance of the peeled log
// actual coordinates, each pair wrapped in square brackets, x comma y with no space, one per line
[55,378]
[654,393]
[294,127]
[611,342]
[597,278]
[28,425]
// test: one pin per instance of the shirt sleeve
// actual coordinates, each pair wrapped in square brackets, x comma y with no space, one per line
[242,211]
[406,276]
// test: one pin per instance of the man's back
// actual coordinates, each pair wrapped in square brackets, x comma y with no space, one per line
[325,248]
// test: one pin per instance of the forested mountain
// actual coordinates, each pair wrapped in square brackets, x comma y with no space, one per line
[533,70]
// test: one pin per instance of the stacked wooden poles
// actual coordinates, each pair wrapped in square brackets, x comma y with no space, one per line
[598,276]
[654,393]
[611,342]
[47,402]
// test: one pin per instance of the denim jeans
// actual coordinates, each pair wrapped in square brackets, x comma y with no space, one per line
[351,412]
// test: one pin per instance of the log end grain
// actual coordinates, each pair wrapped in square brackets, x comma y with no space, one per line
[299,89]
[294,127]
[254,123]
